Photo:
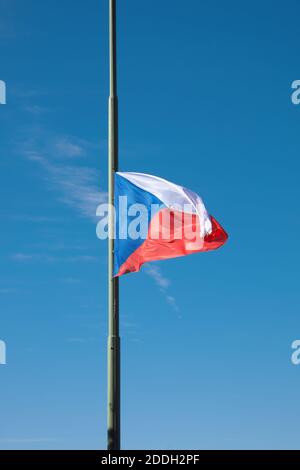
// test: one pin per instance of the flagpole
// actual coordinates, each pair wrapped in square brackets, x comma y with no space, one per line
[113,356]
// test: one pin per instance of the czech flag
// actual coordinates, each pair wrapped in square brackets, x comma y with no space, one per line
[157,219]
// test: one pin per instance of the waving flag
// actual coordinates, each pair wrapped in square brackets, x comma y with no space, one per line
[157,219]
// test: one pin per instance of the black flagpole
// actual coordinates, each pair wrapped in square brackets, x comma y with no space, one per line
[113,359]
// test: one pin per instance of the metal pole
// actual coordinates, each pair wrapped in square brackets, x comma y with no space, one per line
[113,412]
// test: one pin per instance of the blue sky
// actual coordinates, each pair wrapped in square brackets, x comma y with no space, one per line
[206,340]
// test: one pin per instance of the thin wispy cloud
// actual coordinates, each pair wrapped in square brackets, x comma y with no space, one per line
[42,257]
[26,95]
[35,110]
[172,301]
[57,246]
[156,274]
[69,148]
[83,258]
[163,283]
[21,257]
[77,185]
[7,291]
[34,156]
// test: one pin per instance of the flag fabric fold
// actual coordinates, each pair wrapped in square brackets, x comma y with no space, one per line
[157,219]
